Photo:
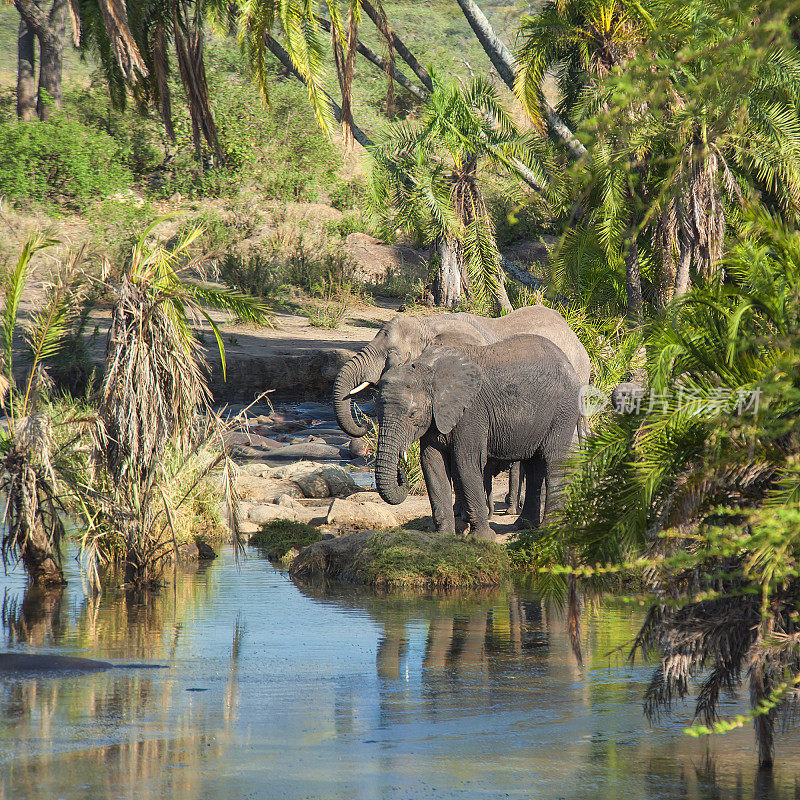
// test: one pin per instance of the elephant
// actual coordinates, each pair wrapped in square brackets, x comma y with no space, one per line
[403,339]
[516,400]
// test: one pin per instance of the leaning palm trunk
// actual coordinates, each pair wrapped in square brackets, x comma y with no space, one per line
[189,50]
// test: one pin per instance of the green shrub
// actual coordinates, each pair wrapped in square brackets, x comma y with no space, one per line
[61,158]
[279,536]
[346,195]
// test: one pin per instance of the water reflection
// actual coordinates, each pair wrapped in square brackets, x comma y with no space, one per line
[276,690]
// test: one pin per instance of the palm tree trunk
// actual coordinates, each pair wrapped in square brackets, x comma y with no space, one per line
[447,286]
[275,48]
[506,66]
[26,66]
[501,295]
[51,31]
[682,281]
[380,63]
[633,278]
[381,23]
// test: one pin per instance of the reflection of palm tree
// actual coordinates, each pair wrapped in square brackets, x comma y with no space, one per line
[37,619]
[232,687]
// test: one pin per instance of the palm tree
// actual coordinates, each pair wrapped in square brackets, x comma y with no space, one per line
[36,463]
[428,173]
[702,500]
[155,390]
[683,138]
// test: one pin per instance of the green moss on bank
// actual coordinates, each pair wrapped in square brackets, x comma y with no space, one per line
[407,559]
[279,536]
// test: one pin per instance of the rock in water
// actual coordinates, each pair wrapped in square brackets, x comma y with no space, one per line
[43,663]
[312,450]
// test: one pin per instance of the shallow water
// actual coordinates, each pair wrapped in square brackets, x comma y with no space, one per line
[275,691]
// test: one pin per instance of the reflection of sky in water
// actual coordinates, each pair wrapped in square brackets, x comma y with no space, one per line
[345,694]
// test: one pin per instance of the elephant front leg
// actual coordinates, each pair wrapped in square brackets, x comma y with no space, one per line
[437,482]
[469,474]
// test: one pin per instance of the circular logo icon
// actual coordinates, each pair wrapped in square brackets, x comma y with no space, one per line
[591,400]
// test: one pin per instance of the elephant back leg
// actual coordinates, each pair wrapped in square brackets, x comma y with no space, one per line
[535,471]
[554,451]
[514,488]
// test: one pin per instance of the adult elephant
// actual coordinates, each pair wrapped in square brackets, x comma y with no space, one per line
[404,338]
[516,400]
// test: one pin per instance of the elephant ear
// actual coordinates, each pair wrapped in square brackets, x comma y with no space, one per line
[456,381]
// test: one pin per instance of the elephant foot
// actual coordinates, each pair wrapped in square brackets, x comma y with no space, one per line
[485,534]
[524,524]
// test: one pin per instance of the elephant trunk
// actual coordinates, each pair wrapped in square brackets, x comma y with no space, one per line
[364,367]
[389,476]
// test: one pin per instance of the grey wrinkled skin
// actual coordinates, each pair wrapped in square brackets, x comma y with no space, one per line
[516,400]
[403,339]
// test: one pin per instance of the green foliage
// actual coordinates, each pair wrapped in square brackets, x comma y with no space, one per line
[59,160]
[426,177]
[345,195]
[279,536]
[415,559]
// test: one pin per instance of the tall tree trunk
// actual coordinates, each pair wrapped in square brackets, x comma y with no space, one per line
[633,278]
[501,295]
[382,24]
[682,280]
[26,68]
[51,61]
[506,66]
[447,286]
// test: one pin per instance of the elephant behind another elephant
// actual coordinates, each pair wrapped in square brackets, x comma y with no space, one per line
[404,338]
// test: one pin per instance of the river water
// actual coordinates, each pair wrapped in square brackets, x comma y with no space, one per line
[279,691]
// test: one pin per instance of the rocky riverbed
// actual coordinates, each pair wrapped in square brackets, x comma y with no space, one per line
[296,464]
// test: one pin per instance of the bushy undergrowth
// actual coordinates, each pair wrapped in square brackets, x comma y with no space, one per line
[279,536]
[62,159]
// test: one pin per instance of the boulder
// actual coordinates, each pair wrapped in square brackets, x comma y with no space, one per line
[285,500]
[248,439]
[312,451]
[317,480]
[335,558]
[358,448]
[265,490]
[360,515]
[267,513]
[195,551]
[365,497]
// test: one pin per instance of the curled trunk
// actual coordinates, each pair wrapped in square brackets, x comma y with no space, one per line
[365,366]
[389,477]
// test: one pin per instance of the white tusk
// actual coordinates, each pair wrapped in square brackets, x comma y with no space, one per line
[405,453]
[359,388]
